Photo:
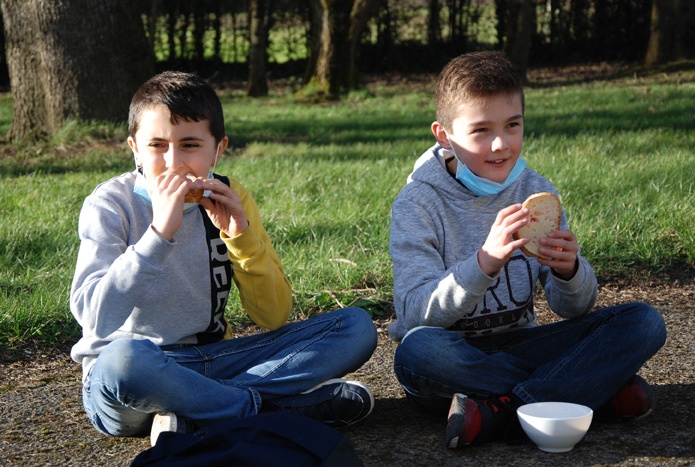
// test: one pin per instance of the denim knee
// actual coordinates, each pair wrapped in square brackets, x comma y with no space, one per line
[639,322]
[414,351]
[361,329]
[124,360]
[651,328]
[418,341]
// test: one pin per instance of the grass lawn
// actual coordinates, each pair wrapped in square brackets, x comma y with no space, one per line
[324,176]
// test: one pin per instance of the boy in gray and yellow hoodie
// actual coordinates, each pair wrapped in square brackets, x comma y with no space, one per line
[153,276]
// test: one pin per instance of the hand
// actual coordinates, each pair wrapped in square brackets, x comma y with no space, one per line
[223,207]
[562,247]
[167,191]
[499,246]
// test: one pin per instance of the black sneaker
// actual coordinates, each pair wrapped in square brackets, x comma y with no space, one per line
[633,401]
[473,422]
[336,402]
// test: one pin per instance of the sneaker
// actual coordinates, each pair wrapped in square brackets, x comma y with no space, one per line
[473,422]
[336,402]
[633,401]
[166,422]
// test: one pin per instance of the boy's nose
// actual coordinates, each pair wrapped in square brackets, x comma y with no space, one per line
[172,158]
[499,143]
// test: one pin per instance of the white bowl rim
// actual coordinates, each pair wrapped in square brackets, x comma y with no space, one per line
[583,410]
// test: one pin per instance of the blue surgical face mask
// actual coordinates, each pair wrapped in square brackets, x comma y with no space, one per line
[140,187]
[482,186]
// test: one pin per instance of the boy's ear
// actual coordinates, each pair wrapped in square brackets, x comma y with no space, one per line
[131,144]
[440,135]
[134,148]
[223,145]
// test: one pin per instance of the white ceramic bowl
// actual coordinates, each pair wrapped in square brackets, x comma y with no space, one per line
[555,426]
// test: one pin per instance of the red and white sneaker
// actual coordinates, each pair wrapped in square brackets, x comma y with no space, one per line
[633,401]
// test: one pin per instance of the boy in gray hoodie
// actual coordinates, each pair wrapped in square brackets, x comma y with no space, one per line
[153,275]
[466,325]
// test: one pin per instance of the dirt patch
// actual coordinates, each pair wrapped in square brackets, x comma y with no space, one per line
[42,421]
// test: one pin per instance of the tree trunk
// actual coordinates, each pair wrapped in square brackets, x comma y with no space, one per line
[362,11]
[457,33]
[152,22]
[326,78]
[666,32]
[341,25]
[73,59]
[260,11]
[520,35]
[315,34]
[217,26]
[173,11]
[200,22]
[434,27]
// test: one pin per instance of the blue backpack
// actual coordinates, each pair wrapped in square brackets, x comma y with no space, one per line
[268,439]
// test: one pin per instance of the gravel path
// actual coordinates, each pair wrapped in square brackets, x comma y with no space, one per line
[42,422]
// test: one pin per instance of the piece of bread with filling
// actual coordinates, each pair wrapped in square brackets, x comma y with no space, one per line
[545,215]
[194,194]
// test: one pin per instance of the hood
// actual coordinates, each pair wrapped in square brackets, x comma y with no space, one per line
[430,169]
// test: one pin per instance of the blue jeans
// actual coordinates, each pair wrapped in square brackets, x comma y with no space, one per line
[133,379]
[584,360]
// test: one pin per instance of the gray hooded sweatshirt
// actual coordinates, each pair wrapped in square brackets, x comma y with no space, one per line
[437,228]
[131,283]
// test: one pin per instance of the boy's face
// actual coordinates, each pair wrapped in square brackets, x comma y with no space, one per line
[185,148]
[487,135]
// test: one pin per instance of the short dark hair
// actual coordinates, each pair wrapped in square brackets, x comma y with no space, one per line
[187,96]
[474,76]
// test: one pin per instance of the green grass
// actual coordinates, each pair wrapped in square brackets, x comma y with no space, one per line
[622,158]
[324,176]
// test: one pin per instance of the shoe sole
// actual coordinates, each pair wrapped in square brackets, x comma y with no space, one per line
[160,424]
[651,401]
[351,382]
[458,418]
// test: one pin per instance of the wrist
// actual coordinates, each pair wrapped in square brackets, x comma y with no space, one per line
[238,230]
[484,264]
[567,275]
[161,233]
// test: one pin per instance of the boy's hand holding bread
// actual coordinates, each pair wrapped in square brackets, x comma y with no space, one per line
[545,214]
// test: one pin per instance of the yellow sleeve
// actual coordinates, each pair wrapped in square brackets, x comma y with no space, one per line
[265,291]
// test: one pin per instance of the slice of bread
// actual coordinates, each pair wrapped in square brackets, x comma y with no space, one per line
[545,215]
[194,194]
